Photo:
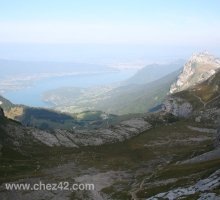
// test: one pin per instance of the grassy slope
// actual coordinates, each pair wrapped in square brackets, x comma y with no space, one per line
[135,156]
[49,119]
[158,149]
[153,72]
[137,98]
[131,97]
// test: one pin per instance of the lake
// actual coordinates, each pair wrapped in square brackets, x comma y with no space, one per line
[32,95]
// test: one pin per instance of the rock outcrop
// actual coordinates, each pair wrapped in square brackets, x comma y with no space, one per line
[177,106]
[199,68]
[211,155]
[202,186]
[120,132]
[124,130]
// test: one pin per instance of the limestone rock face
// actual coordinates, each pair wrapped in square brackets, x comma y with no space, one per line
[199,68]
[77,138]
[120,132]
[177,106]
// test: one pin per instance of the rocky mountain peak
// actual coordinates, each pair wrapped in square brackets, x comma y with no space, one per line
[197,69]
[204,57]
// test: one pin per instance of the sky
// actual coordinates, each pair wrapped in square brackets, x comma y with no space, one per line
[153,23]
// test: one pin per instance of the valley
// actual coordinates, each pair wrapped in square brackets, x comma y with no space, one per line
[170,153]
[110,100]
[144,90]
[33,78]
[143,166]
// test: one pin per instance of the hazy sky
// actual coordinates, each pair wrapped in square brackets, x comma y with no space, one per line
[151,22]
[108,31]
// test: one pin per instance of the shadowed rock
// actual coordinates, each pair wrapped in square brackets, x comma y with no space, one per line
[1,112]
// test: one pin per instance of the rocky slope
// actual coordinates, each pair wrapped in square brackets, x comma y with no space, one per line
[196,92]
[145,166]
[202,187]
[75,138]
[177,106]
[199,68]
[118,133]
[200,101]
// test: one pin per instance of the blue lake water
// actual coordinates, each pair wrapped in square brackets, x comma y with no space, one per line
[32,96]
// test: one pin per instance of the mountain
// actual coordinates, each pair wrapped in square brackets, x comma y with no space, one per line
[136,98]
[49,119]
[153,72]
[196,91]
[69,138]
[158,156]
[201,100]
[14,135]
[6,104]
[171,154]
[119,100]
[198,69]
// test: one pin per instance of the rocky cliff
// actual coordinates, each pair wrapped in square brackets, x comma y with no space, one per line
[199,68]
[196,91]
